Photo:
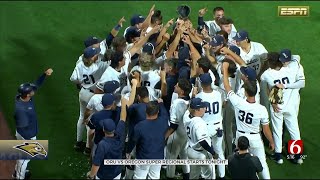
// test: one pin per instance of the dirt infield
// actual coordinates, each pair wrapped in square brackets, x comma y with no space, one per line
[6,167]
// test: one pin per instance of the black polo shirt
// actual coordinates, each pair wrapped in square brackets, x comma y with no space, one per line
[244,166]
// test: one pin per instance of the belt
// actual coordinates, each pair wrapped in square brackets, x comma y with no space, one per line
[215,123]
[196,149]
[246,132]
[89,90]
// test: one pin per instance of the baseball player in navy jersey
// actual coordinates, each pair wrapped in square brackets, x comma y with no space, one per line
[86,74]
[213,117]
[199,141]
[149,139]
[250,115]
[109,147]
[287,74]
[176,134]
[26,119]
[108,112]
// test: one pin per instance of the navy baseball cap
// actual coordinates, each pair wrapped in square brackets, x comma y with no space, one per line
[148,48]
[26,88]
[107,100]
[217,41]
[89,52]
[241,35]
[285,55]
[184,72]
[108,125]
[249,72]
[235,49]
[111,86]
[197,103]
[91,41]
[183,54]
[132,32]
[136,19]
[205,78]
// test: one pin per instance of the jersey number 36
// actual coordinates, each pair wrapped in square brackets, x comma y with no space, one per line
[245,117]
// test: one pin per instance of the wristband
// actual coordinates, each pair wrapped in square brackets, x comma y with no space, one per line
[117,27]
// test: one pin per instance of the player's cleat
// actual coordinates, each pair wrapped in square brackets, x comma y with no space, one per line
[87,151]
[277,157]
[299,161]
[79,146]
[164,167]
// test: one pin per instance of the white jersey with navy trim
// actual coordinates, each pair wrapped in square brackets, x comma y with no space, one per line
[88,76]
[285,76]
[214,102]
[149,78]
[95,103]
[249,116]
[177,110]
[197,131]
[255,56]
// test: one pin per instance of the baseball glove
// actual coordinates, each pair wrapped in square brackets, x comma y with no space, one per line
[276,95]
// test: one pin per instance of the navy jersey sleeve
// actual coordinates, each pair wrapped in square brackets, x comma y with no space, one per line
[99,155]
[163,113]
[40,80]
[21,118]
[135,139]
[120,131]
[92,122]
[116,115]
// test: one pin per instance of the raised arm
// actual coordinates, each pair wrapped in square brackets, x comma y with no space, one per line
[134,83]
[163,83]
[195,55]
[114,32]
[237,58]
[202,12]
[227,87]
[174,44]
[41,79]
[147,21]
[163,31]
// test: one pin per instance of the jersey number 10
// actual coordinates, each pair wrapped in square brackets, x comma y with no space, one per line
[212,108]
[245,117]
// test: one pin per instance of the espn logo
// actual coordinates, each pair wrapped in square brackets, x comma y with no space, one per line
[293,11]
[295,147]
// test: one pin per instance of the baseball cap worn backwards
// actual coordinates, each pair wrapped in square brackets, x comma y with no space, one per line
[197,103]
[108,125]
[205,78]
[89,52]
[241,35]
[136,19]
[111,86]
[148,48]
[249,72]
[91,41]
[107,99]
[132,32]
[217,41]
[285,55]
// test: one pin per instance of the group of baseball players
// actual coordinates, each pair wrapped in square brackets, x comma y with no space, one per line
[169,90]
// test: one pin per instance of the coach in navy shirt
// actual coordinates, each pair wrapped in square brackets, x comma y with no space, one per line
[110,147]
[149,137]
[109,112]
[26,118]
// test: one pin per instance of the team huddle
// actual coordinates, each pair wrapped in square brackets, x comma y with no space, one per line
[179,90]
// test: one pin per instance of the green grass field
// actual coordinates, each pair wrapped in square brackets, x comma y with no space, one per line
[38,35]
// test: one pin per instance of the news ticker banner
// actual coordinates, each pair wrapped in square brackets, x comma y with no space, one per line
[23,149]
[165,162]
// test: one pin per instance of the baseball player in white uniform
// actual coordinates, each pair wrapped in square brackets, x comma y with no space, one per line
[249,116]
[199,140]
[291,78]
[218,13]
[86,74]
[176,134]
[213,117]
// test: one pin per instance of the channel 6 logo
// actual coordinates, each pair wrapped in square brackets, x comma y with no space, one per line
[295,146]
